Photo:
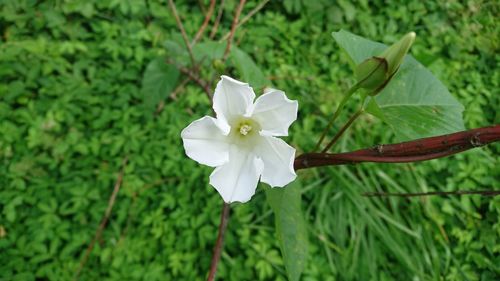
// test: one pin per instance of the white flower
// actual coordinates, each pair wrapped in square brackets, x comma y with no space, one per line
[241,141]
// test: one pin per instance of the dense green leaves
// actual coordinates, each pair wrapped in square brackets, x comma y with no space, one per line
[291,228]
[71,107]
[158,81]
[414,103]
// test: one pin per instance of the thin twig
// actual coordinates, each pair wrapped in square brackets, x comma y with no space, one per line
[193,76]
[183,32]
[439,193]
[233,28]
[224,219]
[173,95]
[342,130]
[411,151]
[104,220]
[204,85]
[247,17]
[208,15]
[217,20]
[179,88]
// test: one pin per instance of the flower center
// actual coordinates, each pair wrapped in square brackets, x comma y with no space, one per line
[245,129]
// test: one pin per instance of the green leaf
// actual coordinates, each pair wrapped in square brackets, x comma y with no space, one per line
[209,51]
[158,81]
[248,70]
[290,227]
[414,103]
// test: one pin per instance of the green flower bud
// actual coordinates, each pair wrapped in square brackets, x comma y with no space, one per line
[375,72]
[219,66]
[395,54]
[371,73]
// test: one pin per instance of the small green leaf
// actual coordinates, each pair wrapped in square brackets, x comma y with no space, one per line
[290,227]
[415,103]
[158,81]
[248,70]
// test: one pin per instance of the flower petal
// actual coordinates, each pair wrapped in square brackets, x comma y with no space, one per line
[205,142]
[232,98]
[237,180]
[275,113]
[278,158]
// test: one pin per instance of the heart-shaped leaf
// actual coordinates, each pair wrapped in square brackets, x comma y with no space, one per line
[414,103]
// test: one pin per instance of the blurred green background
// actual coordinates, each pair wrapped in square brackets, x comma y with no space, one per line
[71,109]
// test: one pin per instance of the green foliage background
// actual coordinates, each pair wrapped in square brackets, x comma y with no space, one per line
[71,108]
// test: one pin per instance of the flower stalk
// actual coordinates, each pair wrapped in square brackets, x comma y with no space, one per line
[224,219]
[339,109]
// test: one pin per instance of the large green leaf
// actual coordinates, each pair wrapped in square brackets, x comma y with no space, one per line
[290,227]
[248,70]
[415,103]
[158,81]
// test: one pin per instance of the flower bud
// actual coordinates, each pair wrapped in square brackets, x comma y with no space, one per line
[375,72]
[395,54]
[371,73]
[219,66]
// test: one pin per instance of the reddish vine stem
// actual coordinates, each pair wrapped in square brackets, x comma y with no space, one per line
[233,28]
[224,219]
[205,22]
[410,151]
[247,17]
[217,19]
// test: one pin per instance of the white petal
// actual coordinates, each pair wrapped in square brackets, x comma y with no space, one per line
[275,113]
[205,142]
[237,180]
[278,158]
[232,98]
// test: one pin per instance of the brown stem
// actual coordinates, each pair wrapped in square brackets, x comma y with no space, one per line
[224,218]
[104,220]
[208,15]
[410,151]
[173,95]
[217,20]
[342,131]
[183,32]
[193,76]
[179,88]
[439,193]
[247,17]
[233,28]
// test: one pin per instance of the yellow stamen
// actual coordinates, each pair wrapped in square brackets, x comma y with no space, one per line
[245,129]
